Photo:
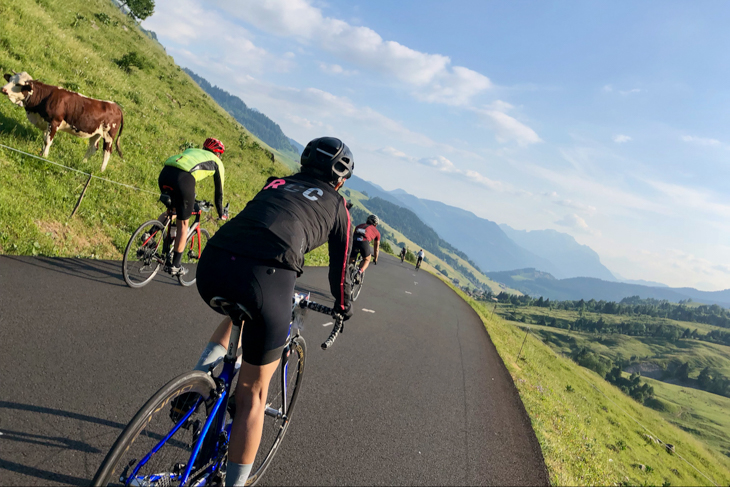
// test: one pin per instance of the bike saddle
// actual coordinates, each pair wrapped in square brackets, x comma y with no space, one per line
[166,200]
[235,311]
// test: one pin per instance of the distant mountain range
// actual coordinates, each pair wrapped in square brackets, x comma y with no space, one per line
[497,247]
[299,147]
[537,283]
[568,257]
[256,122]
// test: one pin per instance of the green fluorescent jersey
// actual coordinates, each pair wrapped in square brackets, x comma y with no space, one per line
[198,162]
[201,164]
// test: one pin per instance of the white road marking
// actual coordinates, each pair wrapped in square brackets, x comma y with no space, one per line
[408,292]
[414,282]
[368,310]
[328,324]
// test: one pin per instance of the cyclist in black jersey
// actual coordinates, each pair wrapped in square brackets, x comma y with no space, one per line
[254,260]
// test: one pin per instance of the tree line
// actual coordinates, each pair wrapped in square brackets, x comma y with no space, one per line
[634,306]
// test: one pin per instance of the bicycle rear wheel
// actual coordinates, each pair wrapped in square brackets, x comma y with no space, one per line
[193,249]
[151,425]
[275,423]
[143,257]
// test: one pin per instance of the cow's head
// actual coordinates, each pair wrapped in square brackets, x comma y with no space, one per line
[18,88]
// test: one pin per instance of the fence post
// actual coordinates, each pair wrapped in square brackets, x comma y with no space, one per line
[523,343]
[83,192]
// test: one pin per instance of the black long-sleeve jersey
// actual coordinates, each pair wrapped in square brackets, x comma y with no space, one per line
[289,217]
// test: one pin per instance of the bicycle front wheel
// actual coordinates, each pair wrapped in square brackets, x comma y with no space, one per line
[132,461]
[193,249]
[143,255]
[284,388]
[356,288]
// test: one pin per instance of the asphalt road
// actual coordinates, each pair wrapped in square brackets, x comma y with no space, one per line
[412,393]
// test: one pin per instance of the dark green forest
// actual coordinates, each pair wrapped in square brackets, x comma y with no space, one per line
[256,122]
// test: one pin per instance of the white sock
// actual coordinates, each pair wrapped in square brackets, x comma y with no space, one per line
[237,474]
[212,353]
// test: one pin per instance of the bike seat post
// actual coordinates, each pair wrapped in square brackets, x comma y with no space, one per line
[238,315]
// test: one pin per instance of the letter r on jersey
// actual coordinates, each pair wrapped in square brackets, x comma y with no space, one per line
[275,183]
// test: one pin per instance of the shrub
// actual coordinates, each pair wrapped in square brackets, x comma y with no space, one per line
[132,60]
[385,246]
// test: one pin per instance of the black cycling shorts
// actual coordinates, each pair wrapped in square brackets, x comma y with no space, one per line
[265,291]
[180,185]
[362,246]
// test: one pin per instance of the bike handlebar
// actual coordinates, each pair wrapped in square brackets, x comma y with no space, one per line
[339,321]
[204,205]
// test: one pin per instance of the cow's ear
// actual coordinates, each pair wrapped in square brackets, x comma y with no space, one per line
[7,76]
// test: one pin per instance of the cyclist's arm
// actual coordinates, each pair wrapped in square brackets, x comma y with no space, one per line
[376,247]
[340,242]
[218,180]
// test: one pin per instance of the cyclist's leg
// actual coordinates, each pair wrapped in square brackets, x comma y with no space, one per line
[367,252]
[251,392]
[184,201]
[266,293]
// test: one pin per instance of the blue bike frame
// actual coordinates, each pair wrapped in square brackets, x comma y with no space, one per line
[218,411]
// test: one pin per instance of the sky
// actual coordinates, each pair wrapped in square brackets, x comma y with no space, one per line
[604,120]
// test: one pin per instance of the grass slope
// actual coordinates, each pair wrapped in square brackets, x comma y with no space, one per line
[700,413]
[75,44]
[585,431]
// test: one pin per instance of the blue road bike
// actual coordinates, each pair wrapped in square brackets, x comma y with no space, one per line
[165,445]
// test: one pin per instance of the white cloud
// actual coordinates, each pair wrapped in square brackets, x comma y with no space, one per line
[700,140]
[430,75]
[336,69]
[576,205]
[608,88]
[698,200]
[507,128]
[187,23]
[620,139]
[630,92]
[440,163]
[577,223]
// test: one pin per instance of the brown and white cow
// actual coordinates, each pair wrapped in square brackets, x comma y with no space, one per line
[51,108]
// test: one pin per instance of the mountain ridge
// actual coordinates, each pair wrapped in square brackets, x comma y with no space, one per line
[537,283]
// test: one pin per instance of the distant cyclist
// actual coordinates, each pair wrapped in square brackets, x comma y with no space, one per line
[178,179]
[364,234]
[255,260]
[402,253]
[419,258]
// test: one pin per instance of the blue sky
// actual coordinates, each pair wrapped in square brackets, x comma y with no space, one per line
[605,120]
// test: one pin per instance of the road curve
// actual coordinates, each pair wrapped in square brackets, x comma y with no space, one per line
[412,393]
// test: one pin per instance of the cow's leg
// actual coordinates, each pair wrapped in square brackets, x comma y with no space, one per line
[93,146]
[49,135]
[107,150]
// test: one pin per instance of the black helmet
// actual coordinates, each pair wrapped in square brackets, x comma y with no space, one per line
[328,158]
[373,220]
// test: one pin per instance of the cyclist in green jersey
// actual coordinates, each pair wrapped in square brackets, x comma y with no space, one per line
[178,179]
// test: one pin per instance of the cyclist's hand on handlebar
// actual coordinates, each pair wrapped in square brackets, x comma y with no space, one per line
[224,216]
[345,313]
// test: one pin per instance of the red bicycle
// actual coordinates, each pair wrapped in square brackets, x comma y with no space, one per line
[151,247]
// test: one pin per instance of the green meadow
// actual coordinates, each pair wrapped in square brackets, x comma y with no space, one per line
[590,432]
[80,45]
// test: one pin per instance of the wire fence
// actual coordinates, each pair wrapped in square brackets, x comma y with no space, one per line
[528,331]
[79,171]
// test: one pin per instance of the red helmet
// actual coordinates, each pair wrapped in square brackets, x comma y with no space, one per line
[214,145]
